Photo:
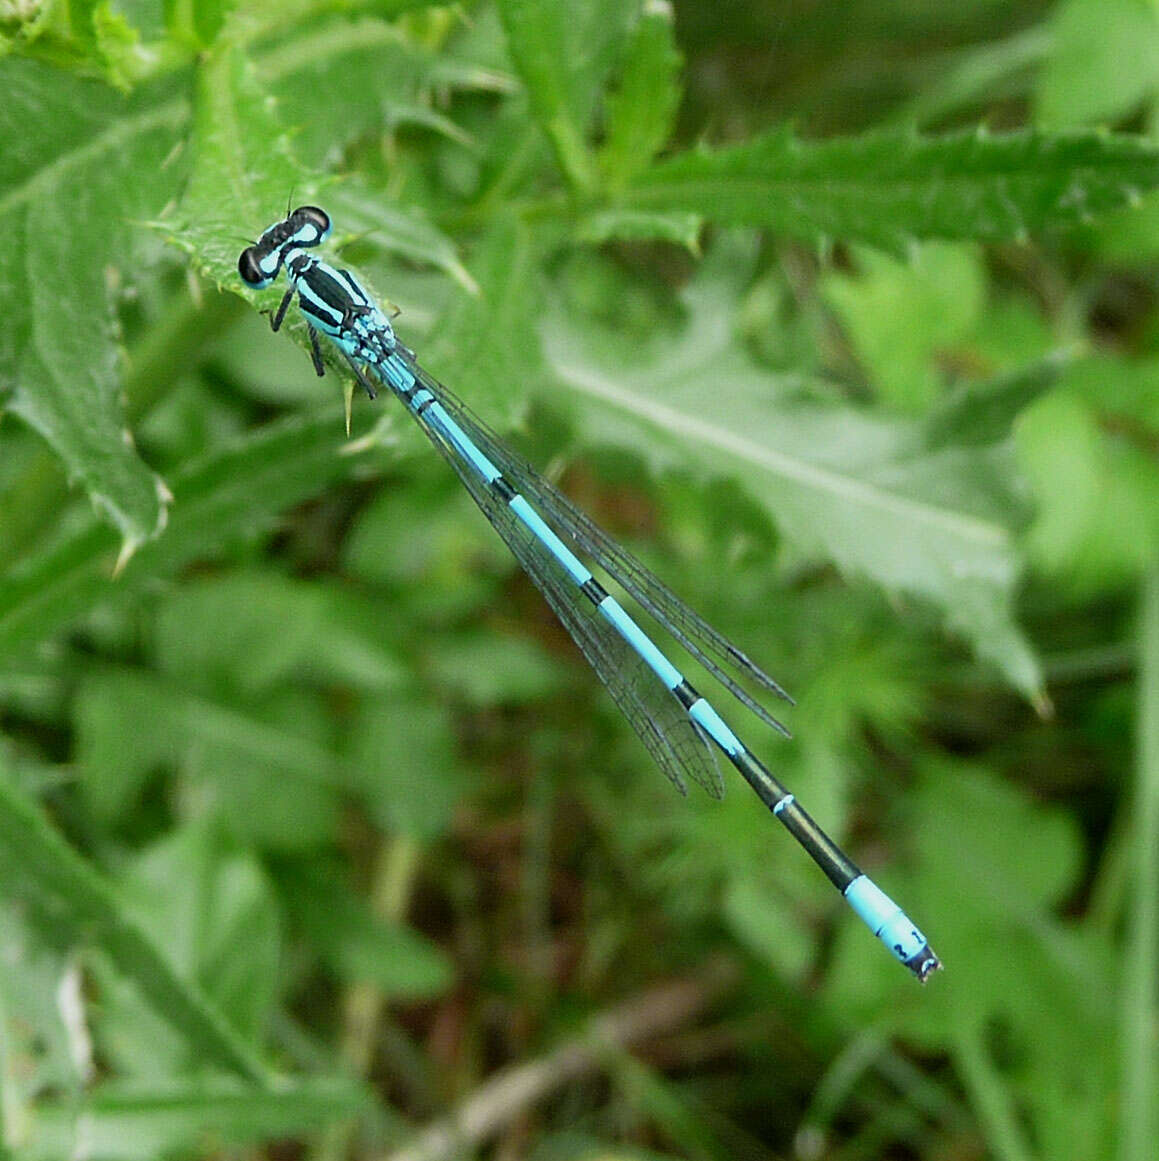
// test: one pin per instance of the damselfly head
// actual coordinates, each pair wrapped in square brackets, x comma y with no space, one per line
[254,265]
[260,263]
[307,219]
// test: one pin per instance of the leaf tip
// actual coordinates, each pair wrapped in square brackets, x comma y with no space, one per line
[357,446]
[348,402]
[463,277]
[1043,705]
[129,548]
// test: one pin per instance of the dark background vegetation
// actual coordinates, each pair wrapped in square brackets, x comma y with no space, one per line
[319,839]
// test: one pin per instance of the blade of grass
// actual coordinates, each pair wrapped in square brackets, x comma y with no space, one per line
[1141,969]
[233,493]
[989,1096]
[78,903]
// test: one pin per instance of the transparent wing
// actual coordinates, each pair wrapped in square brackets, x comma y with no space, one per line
[710,647]
[677,744]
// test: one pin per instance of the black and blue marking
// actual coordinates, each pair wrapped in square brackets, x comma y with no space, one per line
[676,723]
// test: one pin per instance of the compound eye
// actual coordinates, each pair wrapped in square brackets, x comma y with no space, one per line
[250,268]
[313,216]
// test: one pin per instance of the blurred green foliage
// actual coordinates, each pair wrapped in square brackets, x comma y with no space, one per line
[842,316]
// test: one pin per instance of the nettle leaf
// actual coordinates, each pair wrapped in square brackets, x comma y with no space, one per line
[562,52]
[642,110]
[73,903]
[489,339]
[313,72]
[196,24]
[900,315]
[82,166]
[212,908]
[244,172]
[1102,62]
[984,413]
[891,188]
[234,750]
[135,1121]
[234,494]
[863,491]
[84,36]
[1087,452]
[395,228]
[640,226]
[359,944]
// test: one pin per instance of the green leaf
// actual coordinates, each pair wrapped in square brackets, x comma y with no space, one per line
[563,51]
[845,485]
[117,46]
[1129,235]
[360,946]
[137,1122]
[212,909]
[1058,440]
[768,925]
[1086,449]
[427,539]
[36,1020]
[272,630]
[889,189]
[244,171]
[991,911]
[1141,961]
[975,414]
[404,766]
[397,229]
[489,339]
[642,110]
[234,494]
[268,631]
[1018,858]
[637,226]
[123,734]
[262,768]
[77,905]
[394,72]
[1102,63]
[491,668]
[74,151]
[901,315]
[972,78]
[88,37]
[196,22]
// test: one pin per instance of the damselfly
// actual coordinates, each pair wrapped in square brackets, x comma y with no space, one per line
[677,725]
